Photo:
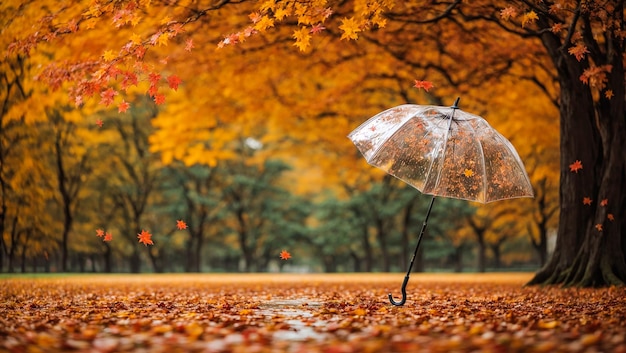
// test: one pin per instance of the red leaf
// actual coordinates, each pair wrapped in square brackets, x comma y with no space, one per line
[604,202]
[99,122]
[576,166]
[100,232]
[108,237]
[587,200]
[173,81]
[159,99]
[181,224]
[425,85]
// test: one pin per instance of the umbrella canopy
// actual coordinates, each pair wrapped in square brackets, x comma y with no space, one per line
[443,151]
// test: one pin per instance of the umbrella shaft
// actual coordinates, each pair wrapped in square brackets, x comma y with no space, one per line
[419,238]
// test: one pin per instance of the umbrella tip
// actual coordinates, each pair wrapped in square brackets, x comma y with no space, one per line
[456,103]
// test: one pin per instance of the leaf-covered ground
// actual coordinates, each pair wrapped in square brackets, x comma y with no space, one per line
[306,313]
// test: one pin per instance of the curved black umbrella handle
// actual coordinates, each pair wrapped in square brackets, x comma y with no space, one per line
[401,302]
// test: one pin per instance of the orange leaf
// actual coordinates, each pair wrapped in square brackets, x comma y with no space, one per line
[108,237]
[123,107]
[578,51]
[181,224]
[99,122]
[145,237]
[587,200]
[100,233]
[599,227]
[604,202]
[159,99]
[284,255]
[610,217]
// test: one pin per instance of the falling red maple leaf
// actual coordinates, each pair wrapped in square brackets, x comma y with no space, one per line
[425,85]
[99,122]
[587,200]
[145,237]
[108,237]
[610,217]
[284,255]
[181,224]
[604,202]
[100,232]
[576,166]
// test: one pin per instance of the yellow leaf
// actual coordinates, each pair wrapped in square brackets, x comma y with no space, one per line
[303,38]
[529,17]
[548,324]
[135,39]
[350,28]
[108,55]
[163,39]
[264,23]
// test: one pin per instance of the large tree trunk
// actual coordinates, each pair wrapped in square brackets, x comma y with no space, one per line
[589,249]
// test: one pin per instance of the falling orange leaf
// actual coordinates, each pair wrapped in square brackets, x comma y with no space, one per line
[108,237]
[99,122]
[468,173]
[587,200]
[100,232]
[189,44]
[284,255]
[599,227]
[425,85]
[576,166]
[181,224]
[145,237]
[610,217]
[604,202]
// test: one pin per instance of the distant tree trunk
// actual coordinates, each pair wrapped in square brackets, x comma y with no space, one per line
[356,262]
[540,220]
[367,248]
[590,241]
[457,257]
[479,232]
[108,268]
[497,252]
[381,235]
[134,261]
[330,265]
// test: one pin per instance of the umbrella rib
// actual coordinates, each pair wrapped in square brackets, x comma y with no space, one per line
[445,145]
[484,163]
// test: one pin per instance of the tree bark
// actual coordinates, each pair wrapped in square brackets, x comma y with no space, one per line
[589,249]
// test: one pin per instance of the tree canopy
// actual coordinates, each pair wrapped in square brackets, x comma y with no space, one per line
[296,77]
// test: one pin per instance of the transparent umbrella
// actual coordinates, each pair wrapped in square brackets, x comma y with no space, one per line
[442,151]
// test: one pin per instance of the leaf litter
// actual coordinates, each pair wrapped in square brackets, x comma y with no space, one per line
[306,313]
